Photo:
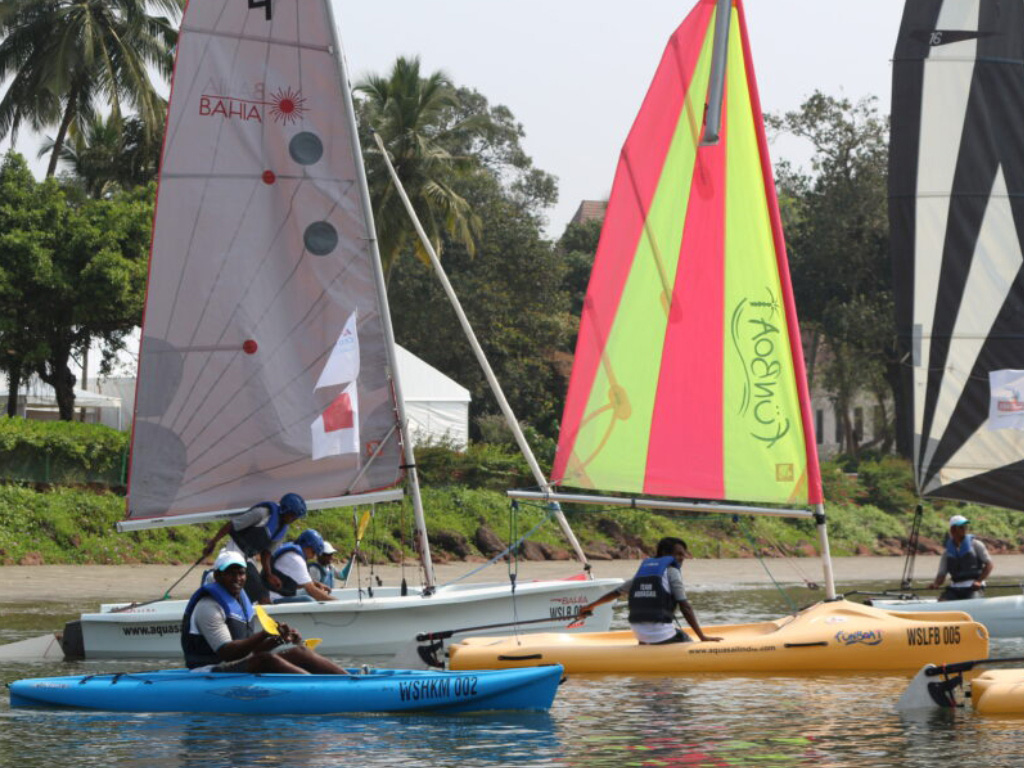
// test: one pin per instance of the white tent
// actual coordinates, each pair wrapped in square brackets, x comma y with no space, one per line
[437,406]
[38,400]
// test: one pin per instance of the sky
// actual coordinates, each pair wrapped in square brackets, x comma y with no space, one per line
[574,72]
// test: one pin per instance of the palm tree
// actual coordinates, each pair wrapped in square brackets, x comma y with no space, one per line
[66,59]
[417,118]
[110,153]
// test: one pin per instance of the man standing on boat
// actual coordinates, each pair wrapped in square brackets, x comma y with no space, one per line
[220,631]
[258,532]
[967,562]
[654,592]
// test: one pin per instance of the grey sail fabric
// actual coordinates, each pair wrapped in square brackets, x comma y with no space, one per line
[262,273]
[957,222]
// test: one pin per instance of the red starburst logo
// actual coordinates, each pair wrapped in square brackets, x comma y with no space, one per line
[286,105]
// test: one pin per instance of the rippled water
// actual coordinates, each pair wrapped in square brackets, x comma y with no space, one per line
[597,720]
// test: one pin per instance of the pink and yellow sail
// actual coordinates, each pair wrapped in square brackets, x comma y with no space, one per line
[689,379]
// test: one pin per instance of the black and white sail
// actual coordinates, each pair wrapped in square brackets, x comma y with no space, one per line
[957,218]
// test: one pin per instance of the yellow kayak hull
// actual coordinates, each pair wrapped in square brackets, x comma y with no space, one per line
[998,692]
[826,637]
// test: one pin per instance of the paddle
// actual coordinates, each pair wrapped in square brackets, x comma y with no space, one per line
[364,521]
[167,594]
[926,691]
[271,628]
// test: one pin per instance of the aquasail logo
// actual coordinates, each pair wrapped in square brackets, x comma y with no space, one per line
[759,342]
[283,105]
[862,637]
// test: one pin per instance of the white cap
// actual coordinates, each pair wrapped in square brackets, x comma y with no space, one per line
[227,558]
[328,549]
[957,520]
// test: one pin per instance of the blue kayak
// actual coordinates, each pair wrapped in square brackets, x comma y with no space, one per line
[379,690]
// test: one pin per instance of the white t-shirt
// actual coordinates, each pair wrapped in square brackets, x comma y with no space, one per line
[293,565]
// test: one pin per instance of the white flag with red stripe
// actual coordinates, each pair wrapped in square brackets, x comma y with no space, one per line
[336,430]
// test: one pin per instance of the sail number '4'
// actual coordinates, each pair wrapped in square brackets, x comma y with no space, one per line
[265,5]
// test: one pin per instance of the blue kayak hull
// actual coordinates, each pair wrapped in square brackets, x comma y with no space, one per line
[384,690]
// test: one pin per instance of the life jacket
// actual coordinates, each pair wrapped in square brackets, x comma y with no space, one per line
[256,538]
[322,573]
[650,602]
[238,614]
[963,562]
[289,587]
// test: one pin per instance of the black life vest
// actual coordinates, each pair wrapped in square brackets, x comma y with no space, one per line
[649,601]
[289,587]
[238,615]
[256,538]
[963,562]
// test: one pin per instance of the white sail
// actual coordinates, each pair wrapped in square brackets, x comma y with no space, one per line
[262,251]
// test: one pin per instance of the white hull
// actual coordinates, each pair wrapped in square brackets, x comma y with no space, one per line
[1002,616]
[358,625]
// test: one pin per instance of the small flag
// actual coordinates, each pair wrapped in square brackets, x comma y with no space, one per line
[336,430]
[343,364]
[1006,404]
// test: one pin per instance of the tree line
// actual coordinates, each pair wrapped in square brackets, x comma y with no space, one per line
[74,247]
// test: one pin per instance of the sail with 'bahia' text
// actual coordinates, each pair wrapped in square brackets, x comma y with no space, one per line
[265,352]
[688,379]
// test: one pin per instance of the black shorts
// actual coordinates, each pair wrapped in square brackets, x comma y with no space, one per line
[678,637]
[254,586]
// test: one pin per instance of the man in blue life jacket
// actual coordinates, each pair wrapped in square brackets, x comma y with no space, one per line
[220,631]
[321,570]
[257,533]
[289,565]
[654,592]
[967,562]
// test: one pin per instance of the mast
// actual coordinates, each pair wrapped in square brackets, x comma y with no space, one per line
[492,380]
[382,296]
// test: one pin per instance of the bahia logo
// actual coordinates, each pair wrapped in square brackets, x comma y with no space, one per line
[283,105]
[758,340]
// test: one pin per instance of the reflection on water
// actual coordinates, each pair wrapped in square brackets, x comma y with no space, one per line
[597,720]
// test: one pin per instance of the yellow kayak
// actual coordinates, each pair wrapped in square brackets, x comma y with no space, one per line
[831,636]
[998,692]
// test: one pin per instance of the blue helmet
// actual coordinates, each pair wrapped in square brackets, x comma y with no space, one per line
[292,503]
[312,539]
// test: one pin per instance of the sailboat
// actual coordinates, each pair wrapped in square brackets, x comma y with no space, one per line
[956,173]
[267,360]
[688,381]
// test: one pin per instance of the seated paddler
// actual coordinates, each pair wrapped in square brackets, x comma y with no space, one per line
[220,631]
[655,591]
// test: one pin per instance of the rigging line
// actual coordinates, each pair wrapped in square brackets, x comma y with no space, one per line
[548,515]
[742,524]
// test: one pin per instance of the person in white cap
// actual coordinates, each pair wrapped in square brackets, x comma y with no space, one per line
[220,631]
[965,560]
[321,570]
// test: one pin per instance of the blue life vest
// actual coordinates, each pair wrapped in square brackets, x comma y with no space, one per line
[256,538]
[238,615]
[322,573]
[963,562]
[289,587]
[649,601]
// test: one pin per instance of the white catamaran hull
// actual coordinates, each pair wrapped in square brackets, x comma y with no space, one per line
[356,624]
[1003,616]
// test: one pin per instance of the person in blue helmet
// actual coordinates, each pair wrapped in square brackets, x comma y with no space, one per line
[289,565]
[256,533]
[220,631]
[654,593]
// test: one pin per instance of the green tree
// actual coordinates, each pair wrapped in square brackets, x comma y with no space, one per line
[71,270]
[111,153]
[68,59]
[414,117]
[837,235]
